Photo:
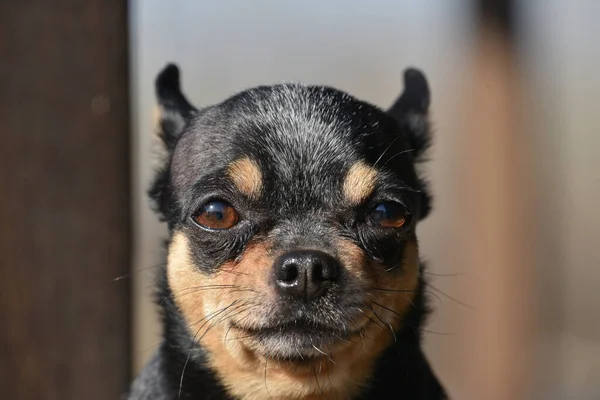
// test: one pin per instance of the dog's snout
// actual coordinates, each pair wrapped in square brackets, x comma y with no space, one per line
[305,274]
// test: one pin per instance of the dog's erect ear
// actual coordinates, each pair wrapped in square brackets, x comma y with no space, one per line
[174,111]
[410,110]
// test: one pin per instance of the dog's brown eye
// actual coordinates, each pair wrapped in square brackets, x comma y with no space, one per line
[217,215]
[388,215]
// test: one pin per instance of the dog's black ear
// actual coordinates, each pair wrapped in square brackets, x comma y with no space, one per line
[174,110]
[411,109]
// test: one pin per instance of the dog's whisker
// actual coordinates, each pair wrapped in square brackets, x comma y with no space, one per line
[444,275]
[405,291]
[397,314]
[317,379]
[215,323]
[385,324]
[214,314]
[140,269]
[452,298]
[392,267]
[394,290]
[192,345]
[321,351]
[386,150]
[396,155]
[266,386]
[200,339]
[365,314]
[328,372]
[227,333]
[203,287]
[393,333]
[195,289]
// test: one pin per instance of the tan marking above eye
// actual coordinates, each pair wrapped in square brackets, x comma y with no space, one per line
[246,176]
[360,182]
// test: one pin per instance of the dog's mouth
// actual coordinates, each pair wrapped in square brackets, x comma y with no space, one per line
[297,341]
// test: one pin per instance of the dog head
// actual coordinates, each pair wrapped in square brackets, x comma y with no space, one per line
[292,211]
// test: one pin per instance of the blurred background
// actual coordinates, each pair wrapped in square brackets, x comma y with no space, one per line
[511,244]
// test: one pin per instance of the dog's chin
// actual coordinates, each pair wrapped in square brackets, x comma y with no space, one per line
[297,343]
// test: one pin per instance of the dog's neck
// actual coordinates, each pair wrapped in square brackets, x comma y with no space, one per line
[400,371]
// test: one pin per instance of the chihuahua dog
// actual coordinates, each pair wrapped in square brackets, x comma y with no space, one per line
[293,265]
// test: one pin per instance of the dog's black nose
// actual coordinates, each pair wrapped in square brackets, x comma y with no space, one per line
[305,274]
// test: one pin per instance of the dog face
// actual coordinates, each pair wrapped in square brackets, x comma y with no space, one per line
[292,212]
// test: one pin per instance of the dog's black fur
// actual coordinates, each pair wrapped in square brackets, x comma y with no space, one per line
[304,137]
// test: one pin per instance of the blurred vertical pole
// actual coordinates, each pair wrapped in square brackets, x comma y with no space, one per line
[64,200]
[497,199]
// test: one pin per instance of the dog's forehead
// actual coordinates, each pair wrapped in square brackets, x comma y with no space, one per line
[301,134]
[301,138]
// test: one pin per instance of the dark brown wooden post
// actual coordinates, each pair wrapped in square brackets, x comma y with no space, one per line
[64,200]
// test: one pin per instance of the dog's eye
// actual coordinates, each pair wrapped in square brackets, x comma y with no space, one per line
[388,215]
[217,215]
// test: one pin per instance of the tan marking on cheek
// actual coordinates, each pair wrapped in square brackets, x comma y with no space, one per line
[233,284]
[353,258]
[360,182]
[238,368]
[187,283]
[360,356]
[246,176]
[400,285]
[241,370]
